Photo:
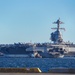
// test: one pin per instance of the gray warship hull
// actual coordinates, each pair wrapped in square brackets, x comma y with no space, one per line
[58,48]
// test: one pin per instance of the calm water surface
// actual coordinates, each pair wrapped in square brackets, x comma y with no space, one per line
[43,63]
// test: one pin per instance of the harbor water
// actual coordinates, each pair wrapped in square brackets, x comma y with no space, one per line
[45,64]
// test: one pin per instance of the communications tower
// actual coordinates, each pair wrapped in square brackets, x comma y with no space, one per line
[56,36]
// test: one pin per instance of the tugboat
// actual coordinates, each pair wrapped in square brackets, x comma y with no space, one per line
[1,54]
[36,55]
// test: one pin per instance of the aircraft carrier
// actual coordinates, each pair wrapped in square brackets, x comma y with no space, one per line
[58,48]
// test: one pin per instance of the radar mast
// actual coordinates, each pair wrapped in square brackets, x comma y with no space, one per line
[56,36]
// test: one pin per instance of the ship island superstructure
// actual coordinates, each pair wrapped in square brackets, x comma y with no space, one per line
[56,36]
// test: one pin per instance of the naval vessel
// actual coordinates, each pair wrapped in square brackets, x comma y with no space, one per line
[58,48]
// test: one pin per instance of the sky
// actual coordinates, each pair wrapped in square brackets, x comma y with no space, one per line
[31,20]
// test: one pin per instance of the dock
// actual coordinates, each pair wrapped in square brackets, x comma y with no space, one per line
[38,70]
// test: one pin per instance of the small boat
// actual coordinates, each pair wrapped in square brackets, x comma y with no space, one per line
[1,54]
[36,55]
